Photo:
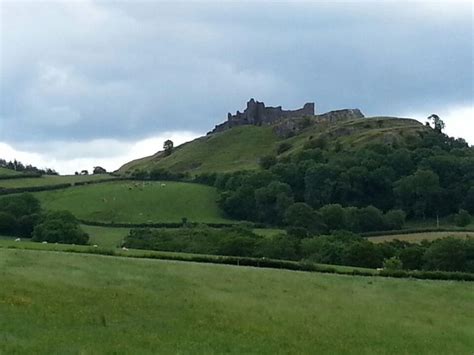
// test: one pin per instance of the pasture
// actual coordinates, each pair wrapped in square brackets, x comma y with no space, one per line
[137,202]
[8,172]
[48,180]
[54,302]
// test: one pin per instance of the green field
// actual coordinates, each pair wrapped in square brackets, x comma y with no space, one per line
[137,202]
[47,180]
[65,303]
[418,237]
[8,172]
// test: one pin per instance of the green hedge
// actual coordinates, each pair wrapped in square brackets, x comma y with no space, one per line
[165,224]
[20,176]
[275,264]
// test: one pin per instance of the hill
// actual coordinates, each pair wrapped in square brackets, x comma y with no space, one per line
[50,180]
[8,172]
[240,148]
[133,202]
[97,304]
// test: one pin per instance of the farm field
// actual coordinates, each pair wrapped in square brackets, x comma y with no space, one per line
[418,237]
[47,180]
[137,202]
[98,304]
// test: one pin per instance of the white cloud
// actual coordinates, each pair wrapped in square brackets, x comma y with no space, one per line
[68,157]
[459,121]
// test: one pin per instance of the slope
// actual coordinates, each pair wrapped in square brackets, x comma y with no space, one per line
[241,148]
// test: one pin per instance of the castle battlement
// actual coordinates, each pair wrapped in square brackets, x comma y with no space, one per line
[258,114]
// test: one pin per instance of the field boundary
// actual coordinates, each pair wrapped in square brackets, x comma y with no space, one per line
[262,263]
[168,224]
[16,190]
[414,231]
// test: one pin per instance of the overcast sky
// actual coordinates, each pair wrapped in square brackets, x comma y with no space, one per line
[86,83]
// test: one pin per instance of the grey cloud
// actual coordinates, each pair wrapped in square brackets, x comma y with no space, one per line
[126,69]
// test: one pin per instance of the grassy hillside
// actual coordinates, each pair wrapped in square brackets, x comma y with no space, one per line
[46,180]
[241,148]
[133,202]
[67,303]
[8,172]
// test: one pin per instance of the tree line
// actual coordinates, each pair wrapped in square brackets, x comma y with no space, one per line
[30,169]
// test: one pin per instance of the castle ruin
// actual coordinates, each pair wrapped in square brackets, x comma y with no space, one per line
[257,114]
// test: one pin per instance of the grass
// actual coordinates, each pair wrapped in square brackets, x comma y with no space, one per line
[47,180]
[69,303]
[241,148]
[418,237]
[8,172]
[105,237]
[133,202]
[236,149]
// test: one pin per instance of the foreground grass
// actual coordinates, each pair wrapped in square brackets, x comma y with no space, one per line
[68,303]
[418,237]
[47,180]
[137,202]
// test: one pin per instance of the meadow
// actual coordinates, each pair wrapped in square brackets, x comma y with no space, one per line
[47,180]
[54,302]
[137,202]
[8,172]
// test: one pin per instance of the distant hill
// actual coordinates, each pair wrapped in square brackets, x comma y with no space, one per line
[241,147]
[8,172]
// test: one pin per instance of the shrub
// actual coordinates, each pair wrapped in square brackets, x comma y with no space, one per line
[60,227]
[463,218]
[7,223]
[393,263]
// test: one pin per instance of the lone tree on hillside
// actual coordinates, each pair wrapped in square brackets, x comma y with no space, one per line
[99,170]
[437,121]
[168,147]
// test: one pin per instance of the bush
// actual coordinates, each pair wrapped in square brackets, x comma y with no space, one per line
[393,263]
[462,219]
[60,227]
[7,223]
[395,219]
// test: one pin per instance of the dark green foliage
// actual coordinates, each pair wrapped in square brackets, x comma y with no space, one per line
[303,216]
[448,254]
[19,214]
[283,147]
[59,227]
[393,263]
[363,254]
[412,257]
[267,161]
[463,218]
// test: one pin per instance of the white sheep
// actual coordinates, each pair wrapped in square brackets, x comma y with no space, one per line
[124,248]
[44,242]
[18,240]
[163,185]
[95,245]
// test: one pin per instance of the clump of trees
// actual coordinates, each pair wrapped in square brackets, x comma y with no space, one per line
[338,248]
[371,188]
[30,169]
[21,215]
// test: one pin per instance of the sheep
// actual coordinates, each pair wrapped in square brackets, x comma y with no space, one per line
[95,245]
[163,185]
[44,242]
[18,240]
[125,248]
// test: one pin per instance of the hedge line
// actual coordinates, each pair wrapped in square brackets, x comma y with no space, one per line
[413,231]
[16,190]
[166,224]
[20,176]
[277,264]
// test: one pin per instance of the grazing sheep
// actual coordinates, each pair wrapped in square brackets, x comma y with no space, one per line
[379,269]
[95,245]
[18,240]
[44,242]
[163,185]
[124,248]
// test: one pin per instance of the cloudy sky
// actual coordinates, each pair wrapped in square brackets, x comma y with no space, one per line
[85,83]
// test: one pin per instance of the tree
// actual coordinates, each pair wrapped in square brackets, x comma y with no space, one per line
[463,218]
[99,170]
[334,216]
[393,263]
[438,122]
[60,227]
[447,254]
[168,147]
[302,215]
